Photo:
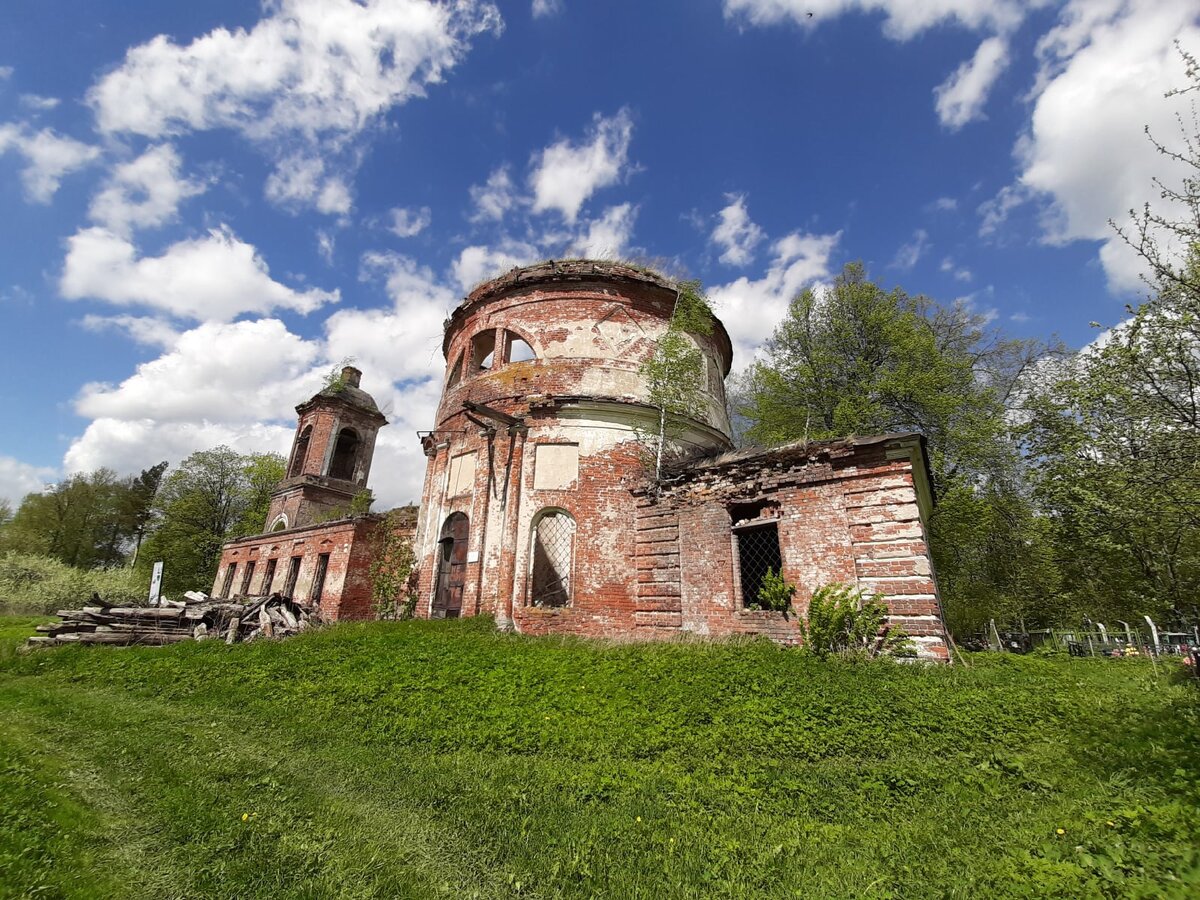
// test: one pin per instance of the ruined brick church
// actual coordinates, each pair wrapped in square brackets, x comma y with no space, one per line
[538,508]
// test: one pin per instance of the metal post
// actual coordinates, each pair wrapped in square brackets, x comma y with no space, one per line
[1153,633]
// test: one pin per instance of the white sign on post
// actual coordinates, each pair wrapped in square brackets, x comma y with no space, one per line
[155,583]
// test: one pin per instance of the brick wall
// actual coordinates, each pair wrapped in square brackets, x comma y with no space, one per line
[347,590]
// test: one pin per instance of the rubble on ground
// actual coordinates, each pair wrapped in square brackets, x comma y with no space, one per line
[198,617]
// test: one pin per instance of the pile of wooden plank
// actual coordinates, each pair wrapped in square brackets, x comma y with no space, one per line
[197,618]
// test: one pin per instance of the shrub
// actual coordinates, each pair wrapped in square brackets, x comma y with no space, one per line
[841,619]
[32,585]
[775,592]
[392,569]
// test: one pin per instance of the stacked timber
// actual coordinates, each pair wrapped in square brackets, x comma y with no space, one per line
[197,618]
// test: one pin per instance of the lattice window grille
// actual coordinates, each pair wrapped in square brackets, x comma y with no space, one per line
[758,551]
[550,569]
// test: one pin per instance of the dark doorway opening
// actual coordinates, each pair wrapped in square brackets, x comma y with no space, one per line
[452,568]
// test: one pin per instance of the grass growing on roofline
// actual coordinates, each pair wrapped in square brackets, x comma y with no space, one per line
[442,759]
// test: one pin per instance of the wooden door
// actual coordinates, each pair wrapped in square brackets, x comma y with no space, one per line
[452,568]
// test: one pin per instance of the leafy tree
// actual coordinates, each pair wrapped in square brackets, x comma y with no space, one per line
[89,520]
[214,496]
[1114,437]
[138,503]
[674,372]
[856,359]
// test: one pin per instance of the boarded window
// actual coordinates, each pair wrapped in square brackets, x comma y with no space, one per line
[455,375]
[556,466]
[299,452]
[246,576]
[483,351]
[228,585]
[462,475]
[289,586]
[758,552]
[550,561]
[318,587]
[345,453]
[268,577]
[516,348]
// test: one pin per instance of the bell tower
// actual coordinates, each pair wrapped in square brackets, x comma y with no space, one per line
[331,453]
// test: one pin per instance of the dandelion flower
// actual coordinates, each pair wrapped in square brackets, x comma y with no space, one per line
[639,818]
[1060,831]
[245,817]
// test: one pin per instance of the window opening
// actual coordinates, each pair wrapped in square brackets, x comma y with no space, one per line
[318,587]
[344,452]
[758,552]
[249,573]
[300,452]
[289,586]
[483,351]
[280,524]
[516,348]
[268,577]
[455,375]
[228,585]
[550,564]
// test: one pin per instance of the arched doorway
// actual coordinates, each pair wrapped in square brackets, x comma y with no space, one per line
[452,568]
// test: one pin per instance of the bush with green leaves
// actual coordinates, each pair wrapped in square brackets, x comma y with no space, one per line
[776,592]
[843,620]
[32,584]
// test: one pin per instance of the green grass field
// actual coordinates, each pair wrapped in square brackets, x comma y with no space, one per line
[441,759]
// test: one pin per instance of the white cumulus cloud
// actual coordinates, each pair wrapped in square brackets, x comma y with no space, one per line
[215,277]
[493,198]
[49,157]
[408,223]
[607,236]
[566,174]
[735,233]
[751,308]
[308,66]
[19,478]
[143,193]
[545,8]
[1104,70]
[960,97]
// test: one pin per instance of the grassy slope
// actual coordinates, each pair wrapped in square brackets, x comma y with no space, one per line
[442,759]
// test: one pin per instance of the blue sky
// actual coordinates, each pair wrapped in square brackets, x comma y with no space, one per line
[209,205]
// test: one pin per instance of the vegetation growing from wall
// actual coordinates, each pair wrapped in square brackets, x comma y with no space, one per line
[841,619]
[392,564]
[442,759]
[775,593]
